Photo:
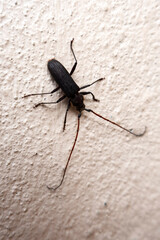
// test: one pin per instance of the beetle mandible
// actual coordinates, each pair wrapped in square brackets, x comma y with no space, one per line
[75,96]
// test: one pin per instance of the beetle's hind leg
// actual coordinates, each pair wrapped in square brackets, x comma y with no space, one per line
[88,85]
[44,103]
[35,94]
[75,64]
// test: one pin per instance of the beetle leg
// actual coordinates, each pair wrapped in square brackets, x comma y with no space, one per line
[65,118]
[35,94]
[88,85]
[43,103]
[75,64]
[85,93]
[55,90]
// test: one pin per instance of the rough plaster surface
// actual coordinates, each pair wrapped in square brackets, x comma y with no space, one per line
[111,189]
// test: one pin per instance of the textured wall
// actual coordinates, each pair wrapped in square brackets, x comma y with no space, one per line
[111,189]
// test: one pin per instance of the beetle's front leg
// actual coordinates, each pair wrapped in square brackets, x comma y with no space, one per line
[85,93]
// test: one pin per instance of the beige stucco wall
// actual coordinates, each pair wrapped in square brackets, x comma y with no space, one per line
[111,190]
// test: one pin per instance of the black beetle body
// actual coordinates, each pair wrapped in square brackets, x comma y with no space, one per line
[72,91]
[66,83]
[63,78]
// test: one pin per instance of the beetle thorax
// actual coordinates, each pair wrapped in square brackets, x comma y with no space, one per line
[77,101]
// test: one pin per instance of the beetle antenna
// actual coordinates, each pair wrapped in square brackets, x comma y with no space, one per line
[65,169]
[106,119]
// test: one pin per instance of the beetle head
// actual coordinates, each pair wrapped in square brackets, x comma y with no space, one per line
[77,101]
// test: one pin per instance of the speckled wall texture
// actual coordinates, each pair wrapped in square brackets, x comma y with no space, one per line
[111,189]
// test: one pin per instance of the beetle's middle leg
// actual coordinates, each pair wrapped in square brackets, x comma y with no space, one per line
[75,64]
[43,103]
[85,93]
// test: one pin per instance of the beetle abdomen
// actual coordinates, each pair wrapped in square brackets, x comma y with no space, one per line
[63,78]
